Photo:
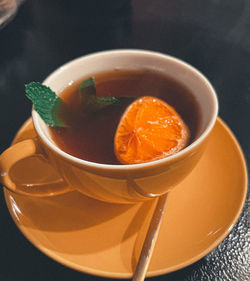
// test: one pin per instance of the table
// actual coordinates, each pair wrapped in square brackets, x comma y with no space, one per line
[212,35]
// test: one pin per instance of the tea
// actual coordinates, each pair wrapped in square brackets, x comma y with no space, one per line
[92,139]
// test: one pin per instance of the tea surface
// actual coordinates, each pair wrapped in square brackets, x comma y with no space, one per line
[92,139]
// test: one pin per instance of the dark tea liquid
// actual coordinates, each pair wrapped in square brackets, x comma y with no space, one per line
[93,139]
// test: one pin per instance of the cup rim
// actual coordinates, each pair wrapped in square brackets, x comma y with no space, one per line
[128,167]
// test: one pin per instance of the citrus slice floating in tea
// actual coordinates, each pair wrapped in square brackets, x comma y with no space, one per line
[149,130]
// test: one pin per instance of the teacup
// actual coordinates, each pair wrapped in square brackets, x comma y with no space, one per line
[114,183]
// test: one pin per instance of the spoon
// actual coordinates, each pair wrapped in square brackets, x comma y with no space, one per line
[150,240]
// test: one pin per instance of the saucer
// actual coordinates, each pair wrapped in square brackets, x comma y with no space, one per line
[105,239]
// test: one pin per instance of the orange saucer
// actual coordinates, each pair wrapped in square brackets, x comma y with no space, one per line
[105,239]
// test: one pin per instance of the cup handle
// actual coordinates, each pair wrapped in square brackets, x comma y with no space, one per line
[18,152]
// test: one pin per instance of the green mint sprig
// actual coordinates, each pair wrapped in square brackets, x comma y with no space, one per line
[90,103]
[55,112]
[46,103]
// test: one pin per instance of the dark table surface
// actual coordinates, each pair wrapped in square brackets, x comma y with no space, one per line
[212,35]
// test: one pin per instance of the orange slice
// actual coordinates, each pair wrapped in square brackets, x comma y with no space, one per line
[149,129]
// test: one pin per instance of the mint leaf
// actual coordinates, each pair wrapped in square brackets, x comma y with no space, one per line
[87,87]
[55,112]
[87,92]
[90,103]
[46,103]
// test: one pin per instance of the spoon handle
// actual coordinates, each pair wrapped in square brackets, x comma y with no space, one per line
[150,240]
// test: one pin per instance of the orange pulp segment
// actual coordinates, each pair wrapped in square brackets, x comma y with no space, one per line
[149,130]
